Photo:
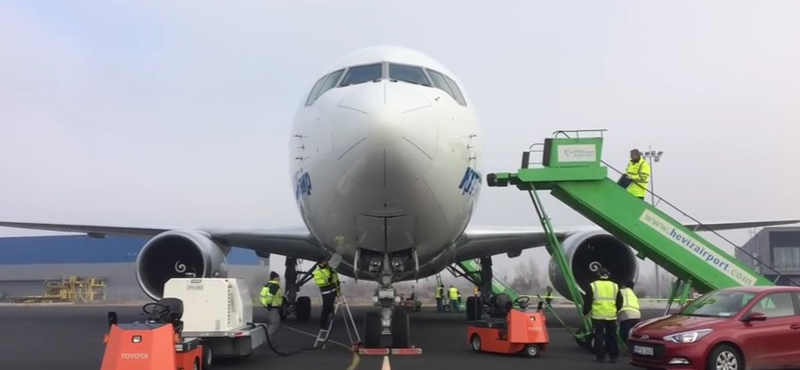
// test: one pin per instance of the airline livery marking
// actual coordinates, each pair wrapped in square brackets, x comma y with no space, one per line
[470,182]
[302,185]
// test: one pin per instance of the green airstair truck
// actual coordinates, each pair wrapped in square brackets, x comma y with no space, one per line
[573,171]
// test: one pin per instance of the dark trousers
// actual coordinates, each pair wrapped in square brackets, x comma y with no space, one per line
[605,339]
[328,299]
[625,329]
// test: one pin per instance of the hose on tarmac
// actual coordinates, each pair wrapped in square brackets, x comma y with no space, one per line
[286,354]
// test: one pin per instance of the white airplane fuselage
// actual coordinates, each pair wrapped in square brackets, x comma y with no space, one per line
[387,166]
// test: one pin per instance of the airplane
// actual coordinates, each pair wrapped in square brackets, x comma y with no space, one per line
[385,162]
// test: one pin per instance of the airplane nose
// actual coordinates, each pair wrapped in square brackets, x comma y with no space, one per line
[385,133]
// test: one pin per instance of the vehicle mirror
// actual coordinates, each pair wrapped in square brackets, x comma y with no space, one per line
[755,316]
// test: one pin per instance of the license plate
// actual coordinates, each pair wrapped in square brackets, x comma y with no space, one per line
[644,351]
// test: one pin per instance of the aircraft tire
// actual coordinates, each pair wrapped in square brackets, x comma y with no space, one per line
[401,327]
[302,309]
[372,330]
[473,309]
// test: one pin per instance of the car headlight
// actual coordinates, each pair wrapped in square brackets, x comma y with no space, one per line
[687,336]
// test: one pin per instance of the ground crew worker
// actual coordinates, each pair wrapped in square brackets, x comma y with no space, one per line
[453,294]
[272,300]
[440,298]
[601,303]
[328,282]
[638,172]
[548,298]
[629,315]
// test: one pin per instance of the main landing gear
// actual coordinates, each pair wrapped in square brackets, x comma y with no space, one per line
[482,278]
[389,328]
[299,306]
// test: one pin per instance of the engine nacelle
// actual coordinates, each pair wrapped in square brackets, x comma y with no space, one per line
[588,251]
[177,253]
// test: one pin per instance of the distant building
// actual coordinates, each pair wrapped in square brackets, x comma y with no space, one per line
[778,249]
[26,262]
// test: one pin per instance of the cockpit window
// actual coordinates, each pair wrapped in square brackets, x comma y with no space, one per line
[447,84]
[361,74]
[459,96]
[314,91]
[409,74]
[330,82]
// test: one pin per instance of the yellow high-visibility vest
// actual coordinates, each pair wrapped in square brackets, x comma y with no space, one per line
[604,305]
[453,293]
[267,298]
[640,174]
[629,301]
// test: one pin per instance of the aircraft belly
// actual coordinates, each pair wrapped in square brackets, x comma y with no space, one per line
[389,234]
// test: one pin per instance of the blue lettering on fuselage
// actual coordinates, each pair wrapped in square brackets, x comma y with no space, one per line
[470,182]
[302,184]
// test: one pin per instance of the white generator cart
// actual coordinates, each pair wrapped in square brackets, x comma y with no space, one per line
[219,311]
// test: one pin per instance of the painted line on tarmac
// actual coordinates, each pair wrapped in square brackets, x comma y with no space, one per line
[356,358]
[386,365]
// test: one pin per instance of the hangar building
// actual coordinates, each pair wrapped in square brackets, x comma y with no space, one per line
[27,262]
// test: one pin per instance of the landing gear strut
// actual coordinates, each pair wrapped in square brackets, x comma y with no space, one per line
[389,328]
[299,306]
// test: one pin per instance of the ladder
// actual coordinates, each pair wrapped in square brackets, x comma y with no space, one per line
[349,322]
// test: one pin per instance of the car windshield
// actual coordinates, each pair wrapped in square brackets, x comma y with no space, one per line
[718,304]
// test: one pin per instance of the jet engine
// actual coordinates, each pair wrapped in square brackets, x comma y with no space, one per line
[178,253]
[588,251]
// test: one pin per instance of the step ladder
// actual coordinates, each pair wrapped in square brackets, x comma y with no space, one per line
[349,323]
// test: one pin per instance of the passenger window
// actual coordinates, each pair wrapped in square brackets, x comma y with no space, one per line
[440,82]
[775,305]
[314,91]
[361,74]
[459,97]
[330,82]
[409,74]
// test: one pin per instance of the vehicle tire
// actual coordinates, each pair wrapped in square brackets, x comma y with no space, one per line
[475,342]
[196,365]
[401,327]
[725,354]
[208,356]
[532,350]
[446,308]
[302,309]
[372,330]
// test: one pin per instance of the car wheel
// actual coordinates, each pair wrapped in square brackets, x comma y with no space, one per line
[724,357]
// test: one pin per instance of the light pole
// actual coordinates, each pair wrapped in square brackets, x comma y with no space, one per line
[653,156]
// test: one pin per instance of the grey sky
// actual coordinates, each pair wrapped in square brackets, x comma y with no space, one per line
[147,112]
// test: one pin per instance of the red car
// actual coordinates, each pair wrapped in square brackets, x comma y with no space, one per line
[728,329]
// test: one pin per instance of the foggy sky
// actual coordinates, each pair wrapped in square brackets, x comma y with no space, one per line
[152,113]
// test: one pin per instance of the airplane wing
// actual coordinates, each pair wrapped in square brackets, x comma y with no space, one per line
[292,242]
[478,243]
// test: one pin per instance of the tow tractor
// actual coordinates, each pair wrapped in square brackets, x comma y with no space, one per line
[197,321]
[510,329]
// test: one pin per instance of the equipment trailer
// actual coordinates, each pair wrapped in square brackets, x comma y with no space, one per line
[218,312]
[573,171]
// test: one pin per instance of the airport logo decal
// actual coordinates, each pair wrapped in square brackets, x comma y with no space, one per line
[302,184]
[470,182]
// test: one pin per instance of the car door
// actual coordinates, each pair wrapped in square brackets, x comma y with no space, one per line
[773,342]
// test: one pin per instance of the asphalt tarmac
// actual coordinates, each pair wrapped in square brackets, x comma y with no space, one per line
[71,337]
